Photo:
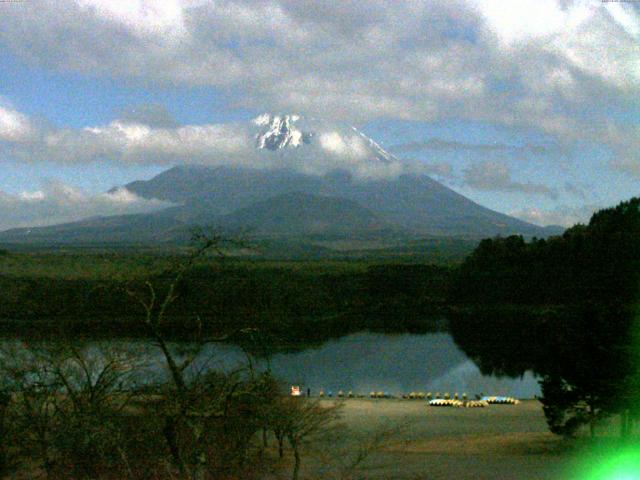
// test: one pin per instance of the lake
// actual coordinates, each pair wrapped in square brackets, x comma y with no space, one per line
[360,362]
[396,364]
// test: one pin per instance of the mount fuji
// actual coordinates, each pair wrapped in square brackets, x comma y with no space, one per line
[296,177]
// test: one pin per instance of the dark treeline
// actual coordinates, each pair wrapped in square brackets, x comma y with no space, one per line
[564,308]
[290,305]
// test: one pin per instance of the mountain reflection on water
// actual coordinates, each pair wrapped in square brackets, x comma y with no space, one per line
[394,363]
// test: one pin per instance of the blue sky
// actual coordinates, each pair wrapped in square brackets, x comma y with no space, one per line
[530,108]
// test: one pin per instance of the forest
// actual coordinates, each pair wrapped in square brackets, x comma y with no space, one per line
[47,294]
[564,308]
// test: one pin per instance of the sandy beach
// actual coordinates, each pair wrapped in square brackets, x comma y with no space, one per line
[496,442]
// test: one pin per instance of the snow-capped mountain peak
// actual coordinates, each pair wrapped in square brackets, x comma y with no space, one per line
[279,131]
[318,145]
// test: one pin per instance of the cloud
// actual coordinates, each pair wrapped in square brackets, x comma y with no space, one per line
[438,144]
[128,141]
[133,143]
[356,59]
[438,169]
[544,19]
[565,215]
[556,66]
[625,143]
[14,126]
[151,114]
[59,203]
[496,176]
[352,146]
[579,190]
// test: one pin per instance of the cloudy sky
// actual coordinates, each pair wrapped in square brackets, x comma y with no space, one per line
[530,107]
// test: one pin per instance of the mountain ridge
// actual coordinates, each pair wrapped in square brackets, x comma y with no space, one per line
[301,177]
[411,201]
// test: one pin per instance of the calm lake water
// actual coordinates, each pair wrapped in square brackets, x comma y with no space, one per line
[361,362]
[396,364]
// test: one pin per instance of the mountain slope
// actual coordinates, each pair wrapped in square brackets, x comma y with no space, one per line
[296,176]
[303,214]
[413,202]
[284,203]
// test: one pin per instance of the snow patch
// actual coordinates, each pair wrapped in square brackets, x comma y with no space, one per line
[279,132]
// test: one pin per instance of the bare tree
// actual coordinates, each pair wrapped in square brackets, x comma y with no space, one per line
[298,419]
[198,400]
[64,401]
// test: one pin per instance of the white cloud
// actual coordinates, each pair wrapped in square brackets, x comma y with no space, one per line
[496,176]
[32,196]
[551,65]
[139,143]
[59,203]
[352,146]
[141,17]
[519,21]
[130,142]
[383,55]
[625,17]
[565,216]
[14,126]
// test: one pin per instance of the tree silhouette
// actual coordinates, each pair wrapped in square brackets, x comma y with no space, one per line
[563,308]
